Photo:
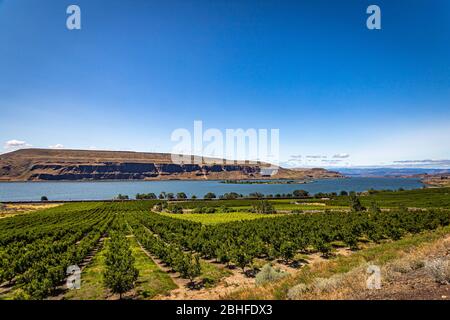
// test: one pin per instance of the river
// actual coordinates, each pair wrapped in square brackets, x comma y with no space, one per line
[104,190]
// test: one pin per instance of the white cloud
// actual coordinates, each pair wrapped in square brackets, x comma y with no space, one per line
[56,146]
[16,144]
[341,156]
[423,163]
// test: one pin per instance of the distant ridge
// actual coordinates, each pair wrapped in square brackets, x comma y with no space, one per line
[390,172]
[82,165]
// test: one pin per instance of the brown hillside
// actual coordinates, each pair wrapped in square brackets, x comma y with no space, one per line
[75,165]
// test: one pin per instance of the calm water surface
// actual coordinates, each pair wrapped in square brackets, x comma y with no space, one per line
[32,191]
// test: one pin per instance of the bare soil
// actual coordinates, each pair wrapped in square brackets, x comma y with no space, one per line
[414,285]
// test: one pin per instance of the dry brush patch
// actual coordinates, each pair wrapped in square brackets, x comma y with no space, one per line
[9,210]
[345,277]
[415,274]
[439,269]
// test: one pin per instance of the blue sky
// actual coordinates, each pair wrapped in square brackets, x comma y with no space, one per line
[137,70]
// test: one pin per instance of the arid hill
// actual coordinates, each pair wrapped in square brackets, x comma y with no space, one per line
[76,165]
[435,180]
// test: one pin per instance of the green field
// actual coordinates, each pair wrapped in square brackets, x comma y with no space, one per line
[420,198]
[214,218]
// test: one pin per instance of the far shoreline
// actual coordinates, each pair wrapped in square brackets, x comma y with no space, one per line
[180,180]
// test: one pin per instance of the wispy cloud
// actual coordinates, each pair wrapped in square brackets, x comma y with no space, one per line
[16,144]
[424,162]
[57,146]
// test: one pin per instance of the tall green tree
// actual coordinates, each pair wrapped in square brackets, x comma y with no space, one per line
[120,273]
[355,204]
[300,194]
[374,208]
[242,259]
[287,250]
[263,206]
[194,268]
[210,195]
[181,195]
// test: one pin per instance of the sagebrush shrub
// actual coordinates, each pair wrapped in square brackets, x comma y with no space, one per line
[401,266]
[327,284]
[297,291]
[268,274]
[439,269]
[416,263]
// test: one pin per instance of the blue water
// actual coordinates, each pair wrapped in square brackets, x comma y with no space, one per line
[32,191]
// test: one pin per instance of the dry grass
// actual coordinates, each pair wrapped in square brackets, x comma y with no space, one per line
[352,284]
[9,210]
[345,277]
[296,292]
[400,266]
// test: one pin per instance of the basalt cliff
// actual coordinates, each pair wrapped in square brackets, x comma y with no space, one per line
[86,165]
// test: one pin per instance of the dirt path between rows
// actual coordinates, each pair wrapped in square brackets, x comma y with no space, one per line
[175,276]
[183,292]
[225,286]
[237,280]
